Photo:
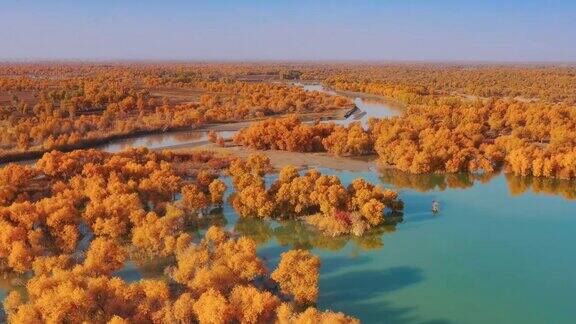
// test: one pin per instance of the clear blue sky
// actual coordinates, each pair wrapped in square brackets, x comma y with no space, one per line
[486,30]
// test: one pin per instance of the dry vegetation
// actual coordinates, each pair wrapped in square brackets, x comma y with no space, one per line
[320,200]
[441,131]
[67,106]
[290,134]
[140,205]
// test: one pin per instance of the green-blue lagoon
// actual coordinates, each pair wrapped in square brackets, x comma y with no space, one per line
[493,254]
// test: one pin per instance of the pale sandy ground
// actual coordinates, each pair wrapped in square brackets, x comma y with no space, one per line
[300,160]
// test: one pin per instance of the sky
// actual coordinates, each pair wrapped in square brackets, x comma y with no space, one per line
[406,30]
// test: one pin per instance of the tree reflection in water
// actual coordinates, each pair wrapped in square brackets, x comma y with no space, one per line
[517,185]
[299,235]
[429,182]
[520,185]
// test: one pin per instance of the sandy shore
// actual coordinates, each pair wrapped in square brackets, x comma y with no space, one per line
[300,160]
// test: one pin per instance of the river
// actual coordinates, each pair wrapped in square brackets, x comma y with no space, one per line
[499,251]
[368,107]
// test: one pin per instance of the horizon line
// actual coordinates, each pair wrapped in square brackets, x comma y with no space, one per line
[257,60]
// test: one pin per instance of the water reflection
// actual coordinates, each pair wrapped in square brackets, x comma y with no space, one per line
[429,182]
[299,235]
[160,140]
[517,185]
[143,265]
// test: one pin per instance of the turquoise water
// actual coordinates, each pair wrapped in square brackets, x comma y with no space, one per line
[488,257]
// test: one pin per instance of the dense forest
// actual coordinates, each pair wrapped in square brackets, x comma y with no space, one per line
[40,112]
[75,218]
[474,136]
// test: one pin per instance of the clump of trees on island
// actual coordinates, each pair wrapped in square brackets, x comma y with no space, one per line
[321,200]
[291,134]
[73,220]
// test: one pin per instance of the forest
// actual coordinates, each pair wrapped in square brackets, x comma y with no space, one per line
[73,220]
[44,112]
[450,136]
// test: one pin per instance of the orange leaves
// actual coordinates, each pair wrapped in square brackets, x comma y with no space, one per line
[290,134]
[108,193]
[159,236]
[14,179]
[479,137]
[218,287]
[286,315]
[79,108]
[212,308]
[183,308]
[194,199]
[287,134]
[297,274]
[58,164]
[350,141]
[221,266]
[251,197]
[12,301]
[20,258]
[250,305]
[287,174]
[104,256]
[217,189]
[111,216]
[209,191]
[216,235]
[318,198]
[373,211]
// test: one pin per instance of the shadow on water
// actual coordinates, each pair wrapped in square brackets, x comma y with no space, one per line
[333,264]
[359,293]
[364,285]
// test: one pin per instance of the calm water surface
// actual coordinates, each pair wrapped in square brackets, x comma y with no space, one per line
[487,257]
[166,140]
[369,107]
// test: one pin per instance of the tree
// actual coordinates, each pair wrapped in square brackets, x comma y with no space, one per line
[297,274]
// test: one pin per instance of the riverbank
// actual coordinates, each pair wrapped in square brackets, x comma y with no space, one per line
[300,160]
[335,114]
[394,103]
